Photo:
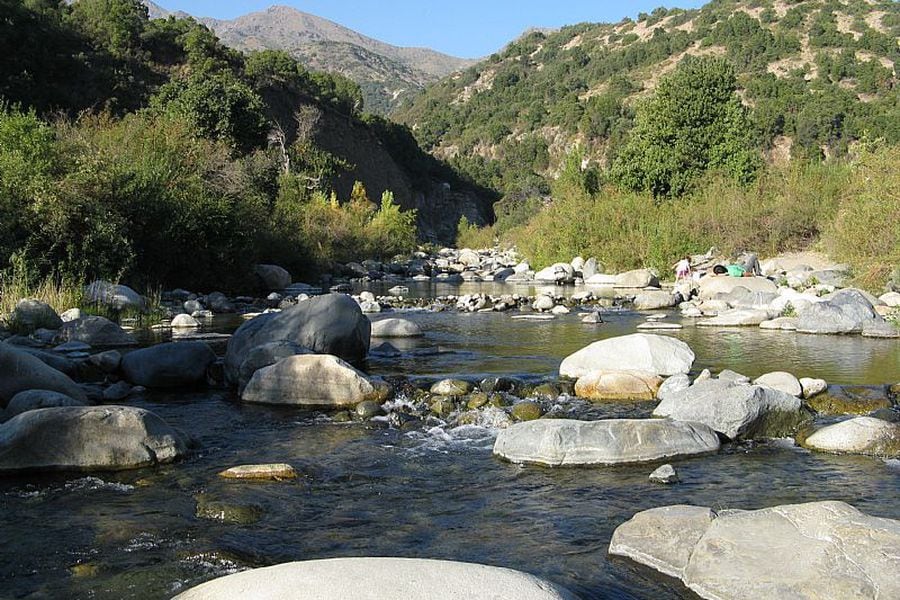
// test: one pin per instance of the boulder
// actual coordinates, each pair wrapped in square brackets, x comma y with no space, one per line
[780,324]
[664,474]
[861,435]
[219,303]
[557,273]
[329,324]
[170,365]
[639,278]
[266,472]
[543,303]
[891,299]
[600,279]
[712,285]
[469,258]
[118,297]
[589,269]
[781,381]
[738,317]
[618,386]
[59,362]
[835,550]
[87,438]
[736,410]
[675,383]
[377,579]
[662,538]
[96,331]
[20,371]
[34,399]
[741,297]
[273,277]
[184,322]
[556,442]
[264,356]
[395,328]
[881,329]
[845,311]
[658,354]
[30,315]
[451,387]
[318,380]
[651,300]
[812,387]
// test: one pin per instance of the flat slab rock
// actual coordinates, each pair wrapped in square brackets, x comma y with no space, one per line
[818,550]
[562,442]
[377,579]
[268,472]
[658,354]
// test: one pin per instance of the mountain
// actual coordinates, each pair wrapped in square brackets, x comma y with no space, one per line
[387,74]
[815,74]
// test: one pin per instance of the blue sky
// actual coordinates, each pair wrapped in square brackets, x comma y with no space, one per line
[467,28]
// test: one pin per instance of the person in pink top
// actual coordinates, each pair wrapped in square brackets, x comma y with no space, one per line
[683,269]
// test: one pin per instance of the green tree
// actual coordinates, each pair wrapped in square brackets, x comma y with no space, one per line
[219,105]
[114,25]
[693,122]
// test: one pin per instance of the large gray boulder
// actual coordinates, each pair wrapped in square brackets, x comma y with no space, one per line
[557,273]
[118,297]
[366,578]
[658,354]
[30,315]
[170,365]
[264,356]
[318,380]
[737,317]
[88,438]
[558,442]
[845,311]
[34,399]
[639,278]
[329,324]
[736,410]
[273,277]
[862,435]
[395,328]
[96,331]
[20,371]
[835,551]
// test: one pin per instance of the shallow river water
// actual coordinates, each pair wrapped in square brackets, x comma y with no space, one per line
[429,491]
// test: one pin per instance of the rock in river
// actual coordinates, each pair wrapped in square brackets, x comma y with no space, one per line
[175,364]
[310,380]
[557,442]
[736,410]
[377,579]
[329,324]
[96,331]
[88,438]
[34,399]
[658,354]
[618,386]
[834,551]
[20,371]
[862,435]
[394,328]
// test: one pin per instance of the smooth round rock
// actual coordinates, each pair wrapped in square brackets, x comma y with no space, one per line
[395,328]
[267,472]
[378,579]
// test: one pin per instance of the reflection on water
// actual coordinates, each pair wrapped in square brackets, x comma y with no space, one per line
[426,492]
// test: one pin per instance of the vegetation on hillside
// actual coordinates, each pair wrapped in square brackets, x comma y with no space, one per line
[146,151]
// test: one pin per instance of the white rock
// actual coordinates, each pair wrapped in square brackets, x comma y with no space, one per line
[309,380]
[664,474]
[782,381]
[861,435]
[392,328]
[891,299]
[812,387]
[657,354]
[377,579]
[185,321]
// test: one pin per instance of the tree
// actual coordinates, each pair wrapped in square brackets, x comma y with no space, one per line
[114,25]
[694,122]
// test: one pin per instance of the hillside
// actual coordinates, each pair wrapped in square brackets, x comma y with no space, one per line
[816,74]
[387,74]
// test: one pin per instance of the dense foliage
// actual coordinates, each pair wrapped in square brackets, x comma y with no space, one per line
[145,150]
[816,75]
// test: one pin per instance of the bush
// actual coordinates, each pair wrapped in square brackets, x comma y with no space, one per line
[469,235]
[864,231]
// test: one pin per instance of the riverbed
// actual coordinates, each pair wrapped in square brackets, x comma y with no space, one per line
[428,491]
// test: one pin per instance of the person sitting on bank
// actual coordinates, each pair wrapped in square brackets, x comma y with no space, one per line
[750,264]
[720,270]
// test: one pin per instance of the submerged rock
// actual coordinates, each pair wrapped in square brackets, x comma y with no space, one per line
[267,472]
[378,579]
[661,355]
[89,438]
[557,442]
[836,551]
